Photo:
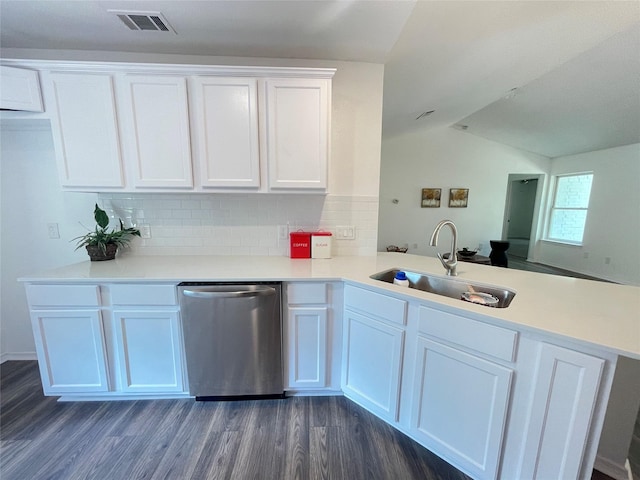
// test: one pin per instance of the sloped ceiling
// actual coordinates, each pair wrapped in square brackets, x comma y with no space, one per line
[590,103]
[457,58]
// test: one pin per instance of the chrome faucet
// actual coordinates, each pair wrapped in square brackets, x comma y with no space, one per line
[450,264]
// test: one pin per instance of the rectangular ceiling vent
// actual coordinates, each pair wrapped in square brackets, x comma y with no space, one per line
[144,21]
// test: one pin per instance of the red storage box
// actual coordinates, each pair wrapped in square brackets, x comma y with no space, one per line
[300,244]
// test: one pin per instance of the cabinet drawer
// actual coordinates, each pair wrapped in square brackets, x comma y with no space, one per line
[134,294]
[375,304]
[61,295]
[303,293]
[488,339]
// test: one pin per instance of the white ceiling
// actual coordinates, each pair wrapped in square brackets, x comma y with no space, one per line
[454,57]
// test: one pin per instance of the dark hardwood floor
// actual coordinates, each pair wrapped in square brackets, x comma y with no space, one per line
[296,438]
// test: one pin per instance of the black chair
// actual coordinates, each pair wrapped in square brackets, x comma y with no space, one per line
[498,253]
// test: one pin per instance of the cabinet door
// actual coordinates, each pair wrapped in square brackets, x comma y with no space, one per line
[149,347]
[226,111]
[71,350]
[85,130]
[307,347]
[372,355]
[298,112]
[156,130]
[20,89]
[564,395]
[459,407]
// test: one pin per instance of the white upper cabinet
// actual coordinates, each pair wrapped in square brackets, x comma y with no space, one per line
[20,90]
[155,120]
[159,128]
[226,131]
[298,112]
[85,130]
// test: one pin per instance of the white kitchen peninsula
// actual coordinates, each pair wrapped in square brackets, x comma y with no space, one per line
[516,392]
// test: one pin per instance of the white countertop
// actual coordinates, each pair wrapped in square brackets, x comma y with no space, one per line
[599,313]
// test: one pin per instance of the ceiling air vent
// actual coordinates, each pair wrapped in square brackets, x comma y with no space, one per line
[139,21]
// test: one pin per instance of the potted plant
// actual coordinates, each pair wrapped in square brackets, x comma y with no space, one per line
[103,244]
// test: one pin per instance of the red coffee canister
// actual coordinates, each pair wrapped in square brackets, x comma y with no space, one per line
[300,244]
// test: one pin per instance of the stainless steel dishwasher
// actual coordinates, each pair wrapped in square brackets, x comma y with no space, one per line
[232,339]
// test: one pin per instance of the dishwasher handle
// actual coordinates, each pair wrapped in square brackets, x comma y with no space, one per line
[213,292]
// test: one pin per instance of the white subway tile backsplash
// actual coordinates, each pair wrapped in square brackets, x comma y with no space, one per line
[241,224]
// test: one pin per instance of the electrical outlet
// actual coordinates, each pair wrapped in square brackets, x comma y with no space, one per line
[145,231]
[283,232]
[53,230]
[345,232]
[607,260]
[585,255]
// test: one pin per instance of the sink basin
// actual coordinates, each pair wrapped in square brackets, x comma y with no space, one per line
[450,287]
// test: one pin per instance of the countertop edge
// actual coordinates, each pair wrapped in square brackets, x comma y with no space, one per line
[594,304]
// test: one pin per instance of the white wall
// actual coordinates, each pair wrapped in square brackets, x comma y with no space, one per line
[613,221]
[446,158]
[31,196]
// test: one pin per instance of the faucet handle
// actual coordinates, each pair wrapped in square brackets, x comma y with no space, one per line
[450,264]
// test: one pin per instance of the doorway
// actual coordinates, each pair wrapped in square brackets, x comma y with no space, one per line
[520,219]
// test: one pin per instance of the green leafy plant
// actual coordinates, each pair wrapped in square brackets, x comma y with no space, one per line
[101,237]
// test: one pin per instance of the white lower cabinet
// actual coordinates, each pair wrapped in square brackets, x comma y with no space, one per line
[565,392]
[493,400]
[149,350]
[312,348]
[460,406]
[373,347]
[307,345]
[70,345]
[372,364]
[113,340]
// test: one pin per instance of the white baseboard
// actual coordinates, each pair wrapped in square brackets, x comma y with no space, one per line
[5,357]
[614,470]
[313,393]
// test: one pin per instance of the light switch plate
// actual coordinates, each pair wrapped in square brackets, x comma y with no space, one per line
[345,232]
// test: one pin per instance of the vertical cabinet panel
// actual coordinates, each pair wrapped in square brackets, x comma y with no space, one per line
[85,130]
[71,350]
[460,406]
[156,120]
[307,345]
[226,112]
[298,133]
[565,391]
[149,348]
[372,363]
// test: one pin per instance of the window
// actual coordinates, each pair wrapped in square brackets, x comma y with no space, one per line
[568,214]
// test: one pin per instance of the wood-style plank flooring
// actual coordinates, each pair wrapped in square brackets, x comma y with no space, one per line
[296,438]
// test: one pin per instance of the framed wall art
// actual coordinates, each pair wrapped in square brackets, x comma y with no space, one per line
[431,197]
[458,197]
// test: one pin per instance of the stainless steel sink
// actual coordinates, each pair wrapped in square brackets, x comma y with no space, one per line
[449,287]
